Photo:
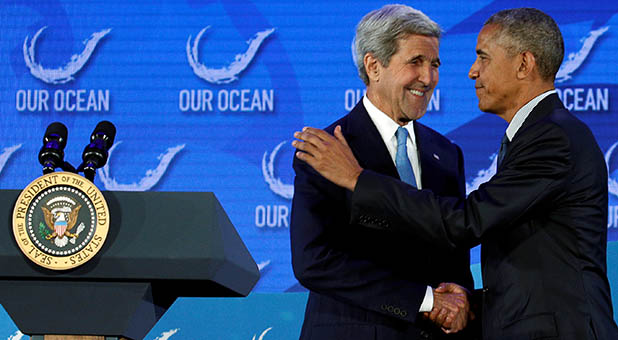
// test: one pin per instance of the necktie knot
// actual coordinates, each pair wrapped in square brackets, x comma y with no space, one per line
[402,136]
[505,140]
[404,168]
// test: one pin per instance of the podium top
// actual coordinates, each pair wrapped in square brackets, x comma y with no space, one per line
[183,239]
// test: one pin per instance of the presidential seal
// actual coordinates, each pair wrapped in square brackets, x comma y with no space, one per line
[60,220]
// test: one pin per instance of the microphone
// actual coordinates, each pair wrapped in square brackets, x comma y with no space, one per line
[51,155]
[95,153]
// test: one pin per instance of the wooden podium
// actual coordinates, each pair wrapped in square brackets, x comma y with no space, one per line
[160,246]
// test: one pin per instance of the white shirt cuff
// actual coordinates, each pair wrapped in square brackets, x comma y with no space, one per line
[427,304]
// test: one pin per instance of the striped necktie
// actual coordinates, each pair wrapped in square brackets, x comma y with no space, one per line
[401,158]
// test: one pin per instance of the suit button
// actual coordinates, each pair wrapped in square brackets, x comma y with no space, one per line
[485,290]
[424,334]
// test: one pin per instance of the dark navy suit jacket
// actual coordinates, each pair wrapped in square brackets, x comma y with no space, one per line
[364,283]
[542,223]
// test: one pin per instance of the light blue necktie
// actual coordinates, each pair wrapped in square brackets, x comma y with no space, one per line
[401,158]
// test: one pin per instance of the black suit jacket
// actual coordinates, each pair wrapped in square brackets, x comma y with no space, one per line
[365,284]
[542,223]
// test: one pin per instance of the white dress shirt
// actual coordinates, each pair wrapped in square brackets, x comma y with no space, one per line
[387,128]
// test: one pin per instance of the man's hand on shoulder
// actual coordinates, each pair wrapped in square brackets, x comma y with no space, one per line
[451,307]
[329,155]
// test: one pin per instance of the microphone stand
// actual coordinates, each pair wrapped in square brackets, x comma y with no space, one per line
[88,170]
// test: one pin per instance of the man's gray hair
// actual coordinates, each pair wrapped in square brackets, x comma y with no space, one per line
[379,31]
[529,29]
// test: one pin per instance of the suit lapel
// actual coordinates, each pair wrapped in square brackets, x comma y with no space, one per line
[367,144]
[371,153]
[545,107]
[428,155]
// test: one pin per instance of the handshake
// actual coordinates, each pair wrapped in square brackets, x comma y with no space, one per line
[451,307]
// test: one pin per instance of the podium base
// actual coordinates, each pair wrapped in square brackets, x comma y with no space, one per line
[74,337]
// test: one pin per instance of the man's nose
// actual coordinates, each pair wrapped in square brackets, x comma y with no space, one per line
[474,72]
[426,76]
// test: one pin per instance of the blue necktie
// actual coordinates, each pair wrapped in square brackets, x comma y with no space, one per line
[503,146]
[401,158]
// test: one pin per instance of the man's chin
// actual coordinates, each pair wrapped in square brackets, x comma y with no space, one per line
[495,112]
[487,109]
[415,116]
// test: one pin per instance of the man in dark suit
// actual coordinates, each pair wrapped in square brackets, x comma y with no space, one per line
[366,284]
[541,219]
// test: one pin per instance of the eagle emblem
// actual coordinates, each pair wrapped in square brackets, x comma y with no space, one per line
[61,219]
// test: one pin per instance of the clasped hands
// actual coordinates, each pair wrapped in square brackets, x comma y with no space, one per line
[451,308]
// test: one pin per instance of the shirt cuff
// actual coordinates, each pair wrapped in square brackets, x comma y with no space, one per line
[427,304]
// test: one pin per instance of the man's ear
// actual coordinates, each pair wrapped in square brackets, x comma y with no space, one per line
[527,64]
[372,67]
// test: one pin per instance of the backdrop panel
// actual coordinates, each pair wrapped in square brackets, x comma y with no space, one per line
[206,94]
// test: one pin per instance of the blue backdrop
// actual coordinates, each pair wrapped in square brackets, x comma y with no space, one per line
[206,94]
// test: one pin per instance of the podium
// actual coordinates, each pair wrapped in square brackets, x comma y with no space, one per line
[160,246]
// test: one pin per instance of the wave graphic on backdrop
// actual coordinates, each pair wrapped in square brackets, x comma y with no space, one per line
[63,74]
[226,74]
[263,334]
[151,178]
[6,154]
[612,167]
[268,171]
[484,175]
[575,60]
[168,334]
[263,264]
[17,336]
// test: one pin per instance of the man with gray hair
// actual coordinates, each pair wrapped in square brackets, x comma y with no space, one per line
[541,220]
[366,284]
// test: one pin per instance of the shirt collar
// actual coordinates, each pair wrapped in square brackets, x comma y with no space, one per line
[385,125]
[523,113]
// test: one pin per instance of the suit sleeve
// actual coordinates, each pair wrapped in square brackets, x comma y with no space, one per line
[532,177]
[323,264]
